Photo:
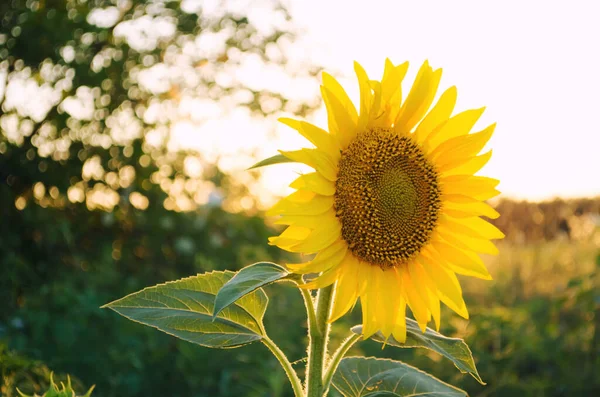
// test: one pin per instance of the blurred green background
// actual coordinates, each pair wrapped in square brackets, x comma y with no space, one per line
[95,204]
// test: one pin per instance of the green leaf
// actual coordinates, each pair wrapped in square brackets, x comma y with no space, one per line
[184,309]
[247,280]
[277,159]
[372,377]
[455,349]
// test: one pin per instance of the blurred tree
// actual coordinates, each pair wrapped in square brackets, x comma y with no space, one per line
[90,90]
[92,184]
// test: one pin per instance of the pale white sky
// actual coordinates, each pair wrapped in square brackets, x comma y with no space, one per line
[534,64]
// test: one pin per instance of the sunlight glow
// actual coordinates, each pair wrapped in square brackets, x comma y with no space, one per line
[531,64]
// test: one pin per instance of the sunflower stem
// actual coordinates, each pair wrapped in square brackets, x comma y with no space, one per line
[317,351]
[310,309]
[336,358]
[286,365]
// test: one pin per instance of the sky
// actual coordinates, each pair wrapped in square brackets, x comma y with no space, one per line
[535,65]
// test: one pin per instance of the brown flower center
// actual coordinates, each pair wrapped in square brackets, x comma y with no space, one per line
[386,197]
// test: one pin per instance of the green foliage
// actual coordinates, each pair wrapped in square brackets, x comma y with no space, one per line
[22,373]
[454,349]
[63,391]
[247,280]
[18,371]
[184,309]
[121,357]
[371,377]
[540,345]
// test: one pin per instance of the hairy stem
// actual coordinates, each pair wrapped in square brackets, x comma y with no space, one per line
[319,336]
[286,365]
[336,358]
[310,308]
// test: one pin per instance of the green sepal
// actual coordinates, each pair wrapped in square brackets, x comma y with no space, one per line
[277,159]
[55,391]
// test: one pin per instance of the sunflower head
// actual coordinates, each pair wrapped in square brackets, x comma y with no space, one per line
[393,210]
[387,197]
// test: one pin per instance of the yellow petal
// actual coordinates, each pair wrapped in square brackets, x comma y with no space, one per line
[423,286]
[414,300]
[332,85]
[326,258]
[464,146]
[435,309]
[474,227]
[399,332]
[295,233]
[301,196]
[467,185]
[346,289]
[458,125]
[291,205]
[369,301]
[446,283]
[461,262]
[283,243]
[439,114]
[309,221]
[314,182]
[391,92]
[315,135]
[316,159]
[366,96]
[391,294]
[467,243]
[419,98]
[487,194]
[341,123]
[376,114]
[290,236]
[391,83]
[319,238]
[465,166]
[469,209]
[327,278]
[363,276]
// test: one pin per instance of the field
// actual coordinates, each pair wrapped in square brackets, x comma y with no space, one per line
[534,329]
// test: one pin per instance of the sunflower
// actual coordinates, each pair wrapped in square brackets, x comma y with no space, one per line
[393,210]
